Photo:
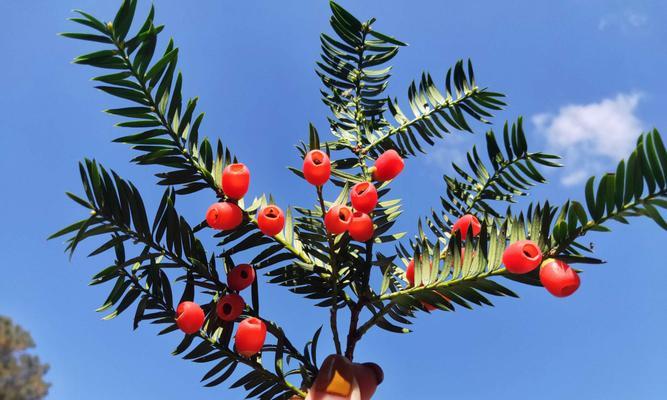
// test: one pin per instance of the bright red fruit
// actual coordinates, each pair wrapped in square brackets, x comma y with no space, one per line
[464,223]
[240,277]
[410,273]
[235,180]
[559,278]
[361,227]
[364,197]
[410,276]
[189,317]
[388,166]
[271,220]
[317,167]
[230,307]
[250,336]
[338,219]
[224,216]
[522,257]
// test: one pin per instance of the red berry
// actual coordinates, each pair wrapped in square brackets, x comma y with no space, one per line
[410,273]
[410,276]
[338,219]
[224,216]
[189,317]
[429,307]
[271,220]
[235,180]
[559,278]
[364,197]
[388,166]
[240,277]
[464,223]
[361,227]
[230,307]
[522,257]
[317,167]
[250,336]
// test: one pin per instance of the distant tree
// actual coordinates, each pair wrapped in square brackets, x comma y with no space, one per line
[21,374]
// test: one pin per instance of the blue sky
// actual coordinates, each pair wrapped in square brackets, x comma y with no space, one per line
[587,76]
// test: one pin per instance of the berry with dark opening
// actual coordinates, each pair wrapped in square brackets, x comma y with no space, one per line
[464,223]
[271,220]
[364,197]
[338,219]
[361,227]
[230,307]
[224,216]
[250,337]
[387,166]
[316,167]
[522,257]
[559,278]
[189,317]
[240,277]
[235,180]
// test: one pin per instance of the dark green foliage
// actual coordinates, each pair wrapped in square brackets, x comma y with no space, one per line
[21,373]
[166,127]
[512,173]
[435,113]
[638,188]
[157,254]
[352,75]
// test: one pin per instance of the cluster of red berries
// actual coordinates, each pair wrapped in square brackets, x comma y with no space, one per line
[363,196]
[251,332]
[520,257]
[227,215]
[524,256]
[555,275]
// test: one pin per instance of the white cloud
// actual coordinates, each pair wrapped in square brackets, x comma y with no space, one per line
[591,136]
[624,21]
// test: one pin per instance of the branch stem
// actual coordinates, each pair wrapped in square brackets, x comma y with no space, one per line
[449,103]
[333,319]
[268,375]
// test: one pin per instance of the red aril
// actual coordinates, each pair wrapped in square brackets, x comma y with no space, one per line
[316,167]
[364,197]
[235,181]
[189,317]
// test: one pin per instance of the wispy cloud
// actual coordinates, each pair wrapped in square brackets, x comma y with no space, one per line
[624,21]
[591,136]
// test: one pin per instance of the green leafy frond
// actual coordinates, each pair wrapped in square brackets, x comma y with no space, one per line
[435,113]
[166,126]
[117,209]
[511,173]
[637,188]
[351,69]
[463,271]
